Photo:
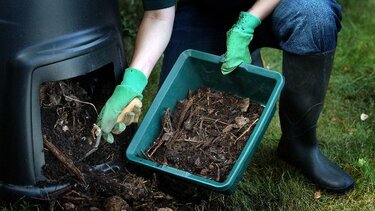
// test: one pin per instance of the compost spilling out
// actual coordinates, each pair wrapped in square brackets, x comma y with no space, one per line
[211,127]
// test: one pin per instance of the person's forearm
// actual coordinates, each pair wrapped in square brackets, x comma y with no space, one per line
[262,8]
[152,38]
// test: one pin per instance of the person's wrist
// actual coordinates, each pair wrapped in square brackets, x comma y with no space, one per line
[135,79]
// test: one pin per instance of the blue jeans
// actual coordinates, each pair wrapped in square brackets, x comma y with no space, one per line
[296,26]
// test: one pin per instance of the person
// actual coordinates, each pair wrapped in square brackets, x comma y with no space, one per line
[305,31]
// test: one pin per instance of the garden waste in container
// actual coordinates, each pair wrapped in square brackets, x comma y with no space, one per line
[195,69]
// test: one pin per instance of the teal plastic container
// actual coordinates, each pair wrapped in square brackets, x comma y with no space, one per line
[195,69]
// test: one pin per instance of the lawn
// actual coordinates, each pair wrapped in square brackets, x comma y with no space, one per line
[345,137]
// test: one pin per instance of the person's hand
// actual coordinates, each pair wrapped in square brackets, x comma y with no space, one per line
[238,40]
[124,106]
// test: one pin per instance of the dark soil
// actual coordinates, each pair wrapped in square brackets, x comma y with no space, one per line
[215,124]
[206,133]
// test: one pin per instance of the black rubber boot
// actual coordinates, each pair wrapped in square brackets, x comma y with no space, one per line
[301,102]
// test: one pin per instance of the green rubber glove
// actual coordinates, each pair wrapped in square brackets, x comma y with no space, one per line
[238,40]
[131,87]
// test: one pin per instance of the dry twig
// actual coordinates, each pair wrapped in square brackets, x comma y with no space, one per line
[247,130]
[67,162]
[187,106]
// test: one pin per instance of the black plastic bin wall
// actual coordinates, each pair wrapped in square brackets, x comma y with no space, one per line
[46,40]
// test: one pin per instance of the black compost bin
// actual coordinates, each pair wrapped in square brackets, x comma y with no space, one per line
[46,40]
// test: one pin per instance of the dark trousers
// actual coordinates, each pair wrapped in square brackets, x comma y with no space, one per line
[296,26]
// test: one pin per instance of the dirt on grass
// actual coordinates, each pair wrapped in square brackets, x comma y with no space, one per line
[204,135]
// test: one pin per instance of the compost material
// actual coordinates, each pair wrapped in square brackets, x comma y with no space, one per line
[206,133]
[208,121]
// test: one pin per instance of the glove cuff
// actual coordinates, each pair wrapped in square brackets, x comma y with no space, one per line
[135,79]
[247,22]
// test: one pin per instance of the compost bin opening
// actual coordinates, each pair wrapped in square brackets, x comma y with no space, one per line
[40,42]
[69,109]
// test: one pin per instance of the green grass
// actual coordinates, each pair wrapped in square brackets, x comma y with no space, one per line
[270,184]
